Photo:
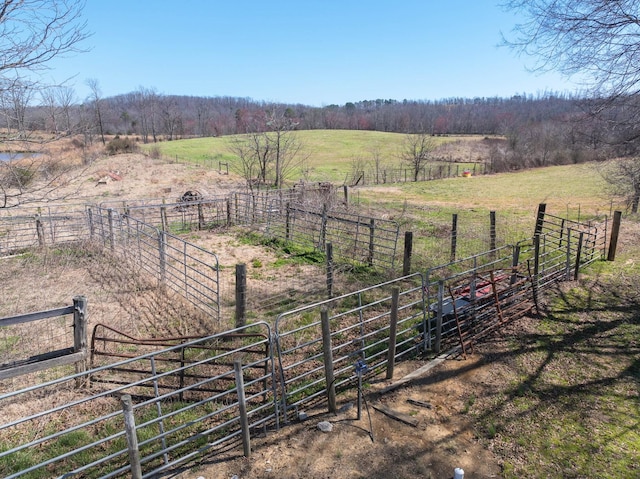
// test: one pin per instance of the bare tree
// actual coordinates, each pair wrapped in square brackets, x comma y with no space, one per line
[32,33]
[416,151]
[597,40]
[272,155]
[95,100]
[249,164]
[287,150]
[66,98]
[146,104]
[623,177]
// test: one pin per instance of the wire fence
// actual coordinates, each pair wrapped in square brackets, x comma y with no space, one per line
[189,400]
[23,228]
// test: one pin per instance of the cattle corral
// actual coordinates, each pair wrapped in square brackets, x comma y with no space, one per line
[566,267]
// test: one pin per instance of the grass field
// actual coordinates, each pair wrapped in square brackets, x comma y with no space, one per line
[426,208]
[330,153]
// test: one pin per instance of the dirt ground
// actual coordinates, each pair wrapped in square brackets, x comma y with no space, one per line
[377,445]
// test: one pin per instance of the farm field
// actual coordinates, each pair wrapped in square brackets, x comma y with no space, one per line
[556,396]
[329,154]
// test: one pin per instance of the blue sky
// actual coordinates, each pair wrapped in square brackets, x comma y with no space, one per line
[305,51]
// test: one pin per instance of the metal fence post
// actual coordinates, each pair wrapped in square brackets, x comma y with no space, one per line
[492,230]
[393,329]
[132,437]
[328,360]
[80,330]
[372,237]
[408,249]
[540,218]
[454,236]
[91,225]
[438,340]
[615,229]
[287,225]
[242,405]
[241,294]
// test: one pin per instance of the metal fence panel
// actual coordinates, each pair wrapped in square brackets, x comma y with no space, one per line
[184,267]
[185,403]
[359,330]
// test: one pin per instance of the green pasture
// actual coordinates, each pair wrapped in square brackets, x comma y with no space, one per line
[427,207]
[329,154]
[573,190]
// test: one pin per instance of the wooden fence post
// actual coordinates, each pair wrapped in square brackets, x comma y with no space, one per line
[345,189]
[540,218]
[454,236]
[80,330]
[615,230]
[132,437]
[287,226]
[112,238]
[40,231]
[329,269]
[515,261]
[242,406]
[323,228]
[91,225]
[393,330]
[567,267]
[241,294]
[578,254]
[327,353]
[163,217]
[200,217]
[408,249]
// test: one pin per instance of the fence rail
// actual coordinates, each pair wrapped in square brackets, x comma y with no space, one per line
[175,422]
[188,399]
[36,227]
[22,346]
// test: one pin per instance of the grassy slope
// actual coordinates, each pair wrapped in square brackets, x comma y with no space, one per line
[330,152]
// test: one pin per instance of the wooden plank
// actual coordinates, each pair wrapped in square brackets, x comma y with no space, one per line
[418,373]
[398,416]
[39,366]
[26,318]
[417,402]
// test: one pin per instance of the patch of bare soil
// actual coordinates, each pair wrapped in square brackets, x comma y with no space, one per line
[134,176]
[378,446]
